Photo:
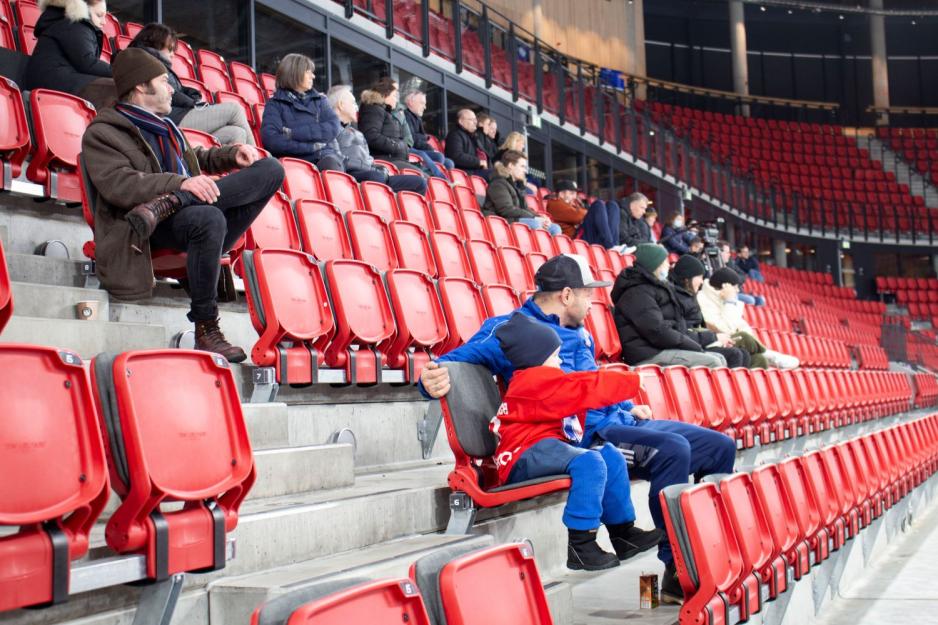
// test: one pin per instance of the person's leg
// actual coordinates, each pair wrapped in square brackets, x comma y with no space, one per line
[369,175]
[746,299]
[226,122]
[408,183]
[330,163]
[595,226]
[554,230]
[618,513]
[613,216]
[439,158]
[734,356]
[429,163]
[671,357]
[531,222]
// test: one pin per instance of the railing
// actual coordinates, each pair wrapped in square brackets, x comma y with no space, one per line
[906,116]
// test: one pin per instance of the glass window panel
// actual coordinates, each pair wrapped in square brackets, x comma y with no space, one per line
[277,36]
[433,116]
[351,66]
[221,26]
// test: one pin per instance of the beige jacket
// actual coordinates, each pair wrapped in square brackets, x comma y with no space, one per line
[719,315]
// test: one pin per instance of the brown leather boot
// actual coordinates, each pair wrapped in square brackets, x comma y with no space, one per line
[145,217]
[208,338]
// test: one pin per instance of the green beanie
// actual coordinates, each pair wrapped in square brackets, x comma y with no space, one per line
[650,256]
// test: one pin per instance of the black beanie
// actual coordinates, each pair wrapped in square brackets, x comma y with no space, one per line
[723,275]
[526,342]
[687,267]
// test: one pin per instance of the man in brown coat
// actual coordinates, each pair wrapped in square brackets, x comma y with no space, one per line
[152,194]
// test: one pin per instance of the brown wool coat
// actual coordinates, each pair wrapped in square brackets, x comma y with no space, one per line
[125,172]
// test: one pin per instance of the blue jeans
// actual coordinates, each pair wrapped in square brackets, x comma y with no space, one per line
[756,275]
[599,487]
[752,300]
[666,453]
[537,223]
[430,159]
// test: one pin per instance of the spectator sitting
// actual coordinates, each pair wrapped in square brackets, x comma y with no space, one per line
[505,194]
[158,198]
[651,220]
[516,141]
[633,231]
[225,121]
[298,120]
[461,146]
[383,131]
[675,238]
[726,256]
[664,452]
[597,224]
[686,276]
[695,246]
[415,103]
[565,208]
[748,264]
[723,312]
[487,136]
[351,144]
[539,428]
[649,318]
[67,56]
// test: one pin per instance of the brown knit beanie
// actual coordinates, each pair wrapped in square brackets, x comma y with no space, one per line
[134,66]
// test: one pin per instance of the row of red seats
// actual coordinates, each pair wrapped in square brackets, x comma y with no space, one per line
[753,533]
[891,284]
[923,311]
[838,331]
[812,351]
[767,318]
[456,585]
[922,352]
[926,390]
[872,357]
[907,296]
[101,430]
[919,146]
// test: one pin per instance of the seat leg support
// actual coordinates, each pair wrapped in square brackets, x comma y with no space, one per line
[265,385]
[429,428]
[158,601]
[462,513]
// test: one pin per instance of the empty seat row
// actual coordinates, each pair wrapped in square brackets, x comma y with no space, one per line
[812,351]
[871,357]
[744,540]
[926,390]
[159,428]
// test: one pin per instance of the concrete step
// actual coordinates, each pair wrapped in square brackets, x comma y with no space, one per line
[297,470]
[87,338]
[34,269]
[267,424]
[28,223]
[56,302]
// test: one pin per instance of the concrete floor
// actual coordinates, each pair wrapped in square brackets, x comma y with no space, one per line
[901,587]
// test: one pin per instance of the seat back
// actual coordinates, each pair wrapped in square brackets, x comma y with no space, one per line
[59,121]
[342,190]
[516,269]
[777,506]
[301,180]
[726,388]
[602,327]
[500,299]
[6,292]
[502,234]
[475,225]
[689,409]
[322,230]
[177,434]
[414,208]
[200,139]
[469,406]
[466,198]
[486,265]
[524,237]
[413,247]
[544,243]
[535,260]
[439,190]
[715,412]
[450,255]
[464,309]
[748,520]
[418,314]
[795,480]
[14,130]
[50,435]
[656,393]
[564,244]
[379,199]
[275,227]
[446,217]
[371,239]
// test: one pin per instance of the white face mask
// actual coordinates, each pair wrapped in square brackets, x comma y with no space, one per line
[678,223]
[663,274]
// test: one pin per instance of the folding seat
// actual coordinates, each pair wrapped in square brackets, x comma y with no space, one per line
[14,131]
[534,261]
[524,238]
[466,199]
[500,299]
[249,90]
[544,243]
[275,227]
[716,416]
[352,600]
[7,38]
[479,185]
[475,226]
[447,218]
[412,247]
[807,508]
[301,180]
[826,493]
[215,79]
[517,270]
[751,404]
[322,229]
[459,177]
[450,255]
[502,234]
[485,263]
[617,261]
[656,392]
[371,240]
[413,207]
[421,325]
[133,28]
[851,492]
[602,327]
[379,199]
[533,204]
[780,511]
[342,190]
[564,244]
[464,309]
[499,584]
[707,555]
[51,434]
[59,121]
[177,436]
[439,190]
[467,411]
[689,408]
[583,249]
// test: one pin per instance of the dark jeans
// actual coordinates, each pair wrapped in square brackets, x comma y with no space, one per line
[735,357]
[601,224]
[485,174]
[397,183]
[206,231]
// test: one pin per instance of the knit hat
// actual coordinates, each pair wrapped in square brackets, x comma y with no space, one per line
[526,342]
[723,275]
[650,256]
[687,267]
[132,67]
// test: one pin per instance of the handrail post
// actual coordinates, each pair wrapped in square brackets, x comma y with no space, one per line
[486,46]
[457,35]
[561,82]
[599,109]
[538,77]
[617,122]
[349,9]
[388,18]
[581,97]
[513,55]
[425,26]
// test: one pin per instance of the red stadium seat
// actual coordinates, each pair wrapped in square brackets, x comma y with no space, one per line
[6,292]
[517,269]
[475,226]
[250,91]
[502,234]
[421,325]
[479,185]
[690,408]
[215,79]
[780,512]
[807,513]
[59,121]
[524,237]
[602,326]
[50,435]
[485,262]
[413,247]
[466,199]
[322,229]
[544,243]
[564,244]
[535,261]
[200,139]
[133,28]
[447,218]
[464,309]
[275,227]
[379,199]
[155,460]
[301,180]
[439,190]
[269,83]
[500,299]
[371,240]
[291,312]
[450,256]
[363,319]
[7,38]
[415,209]
[14,131]
[342,190]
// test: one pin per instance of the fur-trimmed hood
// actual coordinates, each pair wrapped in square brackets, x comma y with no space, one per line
[75,10]
[372,97]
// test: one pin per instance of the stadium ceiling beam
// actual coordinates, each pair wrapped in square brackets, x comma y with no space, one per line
[806,5]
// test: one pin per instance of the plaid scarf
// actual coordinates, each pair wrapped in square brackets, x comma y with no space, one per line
[168,137]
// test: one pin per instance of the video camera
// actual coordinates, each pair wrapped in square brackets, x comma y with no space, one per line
[709,233]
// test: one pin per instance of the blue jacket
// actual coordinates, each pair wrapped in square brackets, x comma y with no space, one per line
[576,354]
[299,125]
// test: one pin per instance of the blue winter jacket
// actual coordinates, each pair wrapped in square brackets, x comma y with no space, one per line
[299,125]
[576,354]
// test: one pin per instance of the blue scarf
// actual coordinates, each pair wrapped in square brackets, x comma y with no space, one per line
[168,137]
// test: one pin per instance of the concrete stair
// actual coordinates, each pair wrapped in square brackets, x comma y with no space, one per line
[905,173]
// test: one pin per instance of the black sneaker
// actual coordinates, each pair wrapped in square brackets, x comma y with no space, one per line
[583,553]
[671,591]
[629,541]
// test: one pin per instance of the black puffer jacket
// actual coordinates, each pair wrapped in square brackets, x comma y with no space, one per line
[184,98]
[383,131]
[487,145]
[632,231]
[461,149]
[68,49]
[648,316]
[693,317]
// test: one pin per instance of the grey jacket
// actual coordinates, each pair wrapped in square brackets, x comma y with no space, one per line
[352,145]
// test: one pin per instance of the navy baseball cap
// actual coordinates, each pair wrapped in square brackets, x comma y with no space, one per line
[566,270]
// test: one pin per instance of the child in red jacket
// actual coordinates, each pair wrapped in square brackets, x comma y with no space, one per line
[539,426]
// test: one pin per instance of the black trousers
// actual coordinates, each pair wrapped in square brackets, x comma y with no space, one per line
[206,231]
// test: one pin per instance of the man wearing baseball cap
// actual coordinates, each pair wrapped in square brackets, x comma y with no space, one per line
[664,452]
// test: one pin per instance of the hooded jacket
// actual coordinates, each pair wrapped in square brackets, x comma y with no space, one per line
[546,403]
[353,147]
[648,316]
[503,198]
[384,131]
[725,317]
[302,125]
[576,354]
[68,48]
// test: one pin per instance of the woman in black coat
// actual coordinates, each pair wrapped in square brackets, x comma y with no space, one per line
[383,131]
[67,56]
